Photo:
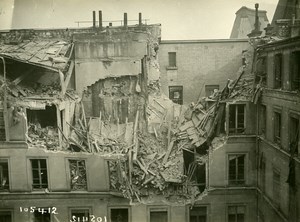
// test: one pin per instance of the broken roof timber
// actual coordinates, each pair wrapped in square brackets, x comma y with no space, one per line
[50,54]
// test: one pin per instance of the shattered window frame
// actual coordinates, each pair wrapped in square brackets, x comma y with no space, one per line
[295,70]
[277,126]
[276,195]
[278,71]
[155,209]
[235,126]
[209,89]
[87,211]
[263,120]
[38,181]
[176,89]
[2,126]
[200,212]
[42,214]
[263,174]
[238,212]
[4,175]
[74,185]
[237,163]
[7,212]
[294,128]
[110,208]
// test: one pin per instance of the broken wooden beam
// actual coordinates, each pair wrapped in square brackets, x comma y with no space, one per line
[168,152]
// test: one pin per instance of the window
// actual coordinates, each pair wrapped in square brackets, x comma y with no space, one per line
[276,186]
[294,134]
[211,89]
[261,69]
[237,118]
[262,120]
[236,170]
[119,214]
[78,175]
[295,72]
[80,215]
[172,59]
[4,177]
[41,215]
[263,173]
[236,213]
[176,94]
[198,214]
[2,126]
[39,174]
[158,215]
[5,216]
[277,127]
[278,71]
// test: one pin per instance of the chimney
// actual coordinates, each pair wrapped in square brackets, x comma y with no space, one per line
[256,24]
[100,19]
[94,19]
[140,18]
[125,19]
[256,31]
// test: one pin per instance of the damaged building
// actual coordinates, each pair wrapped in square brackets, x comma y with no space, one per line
[87,133]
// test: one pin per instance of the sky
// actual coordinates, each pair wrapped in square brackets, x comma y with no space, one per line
[180,19]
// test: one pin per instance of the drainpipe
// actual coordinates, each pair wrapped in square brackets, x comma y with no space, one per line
[5,101]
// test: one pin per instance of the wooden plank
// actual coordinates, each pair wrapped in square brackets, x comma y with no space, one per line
[186,126]
[68,75]
[168,152]
[135,150]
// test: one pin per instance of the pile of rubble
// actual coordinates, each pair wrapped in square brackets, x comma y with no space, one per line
[43,137]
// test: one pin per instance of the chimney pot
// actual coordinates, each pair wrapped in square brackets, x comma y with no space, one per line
[140,18]
[100,19]
[94,19]
[125,19]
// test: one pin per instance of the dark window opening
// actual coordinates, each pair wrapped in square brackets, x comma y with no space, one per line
[158,215]
[277,127]
[119,215]
[295,72]
[78,175]
[278,71]
[42,216]
[5,216]
[172,59]
[237,119]
[236,170]
[261,70]
[276,187]
[294,135]
[236,213]
[39,173]
[4,177]
[2,126]
[263,119]
[211,90]
[198,214]
[43,118]
[176,94]
[263,174]
[80,215]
